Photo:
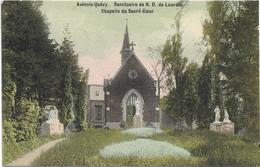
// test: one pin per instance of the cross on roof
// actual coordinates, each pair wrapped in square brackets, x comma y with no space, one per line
[132,44]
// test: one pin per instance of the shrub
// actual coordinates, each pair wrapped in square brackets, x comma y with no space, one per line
[143,148]
[8,132]
[27,124]
[142,132]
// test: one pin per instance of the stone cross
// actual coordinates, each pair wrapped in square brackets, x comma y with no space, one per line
[132,44]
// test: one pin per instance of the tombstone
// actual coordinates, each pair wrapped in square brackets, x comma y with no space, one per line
[138,118]
[52,125]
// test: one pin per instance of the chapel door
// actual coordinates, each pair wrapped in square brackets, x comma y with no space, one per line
[130,109]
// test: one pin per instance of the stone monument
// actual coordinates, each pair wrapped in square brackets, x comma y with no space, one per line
[217,115]
[226,126]
[223,127]
[138,118]
[52,125]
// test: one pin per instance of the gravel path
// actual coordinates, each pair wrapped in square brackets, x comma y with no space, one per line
[28,158]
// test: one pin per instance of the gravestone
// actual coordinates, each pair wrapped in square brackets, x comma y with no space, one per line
[52,125]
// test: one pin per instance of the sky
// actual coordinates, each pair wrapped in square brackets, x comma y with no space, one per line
[98,37]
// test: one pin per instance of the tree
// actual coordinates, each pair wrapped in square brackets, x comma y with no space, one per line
[27,50]
[208,92]
[23,25]
[27,122]
[81,105]
[36,70]
[68,62]
[229,23]
[65,100]
[158,67]
[190,93]
[9,87]
[175,66]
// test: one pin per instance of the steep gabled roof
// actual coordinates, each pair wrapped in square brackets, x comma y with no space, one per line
[125,62]
[126,44]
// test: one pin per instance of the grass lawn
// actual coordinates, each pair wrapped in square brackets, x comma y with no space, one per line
[12,151]
[206,148]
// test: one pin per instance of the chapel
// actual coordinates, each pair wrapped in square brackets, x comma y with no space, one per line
[130,83]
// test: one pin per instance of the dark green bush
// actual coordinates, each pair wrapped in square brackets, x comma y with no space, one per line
[8,132]
[27,124]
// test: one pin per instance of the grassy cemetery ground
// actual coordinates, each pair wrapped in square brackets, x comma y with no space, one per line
[206,148]
[12,151]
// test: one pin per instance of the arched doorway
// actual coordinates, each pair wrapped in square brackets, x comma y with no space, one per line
[128,105]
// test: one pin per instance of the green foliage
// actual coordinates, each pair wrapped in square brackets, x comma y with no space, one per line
[207,148]
[36,72]
[27,123]
[216,149]
[208,92]
[70,152]
[23,25]
[66,113]
[175,66]
[190,93]
[13,150]
[81,106]
[9,87]
[8,132]
[154,161]
[233,36]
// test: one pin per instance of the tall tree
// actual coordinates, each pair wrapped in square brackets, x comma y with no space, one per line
[8,87]
[208,91]
[66,98]
[81,104]
[232,33]
[26,52]
[190,93]
[158,71]
[175,65]
[23,25]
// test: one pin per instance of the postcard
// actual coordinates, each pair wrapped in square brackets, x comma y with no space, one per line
[130,83]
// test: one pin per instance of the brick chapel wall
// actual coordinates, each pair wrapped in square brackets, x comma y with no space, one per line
[122,84]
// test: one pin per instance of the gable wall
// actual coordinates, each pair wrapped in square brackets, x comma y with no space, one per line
[122,83]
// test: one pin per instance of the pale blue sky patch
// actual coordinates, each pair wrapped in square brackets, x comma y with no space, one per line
[98,37]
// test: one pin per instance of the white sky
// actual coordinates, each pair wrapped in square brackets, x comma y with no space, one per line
[98,37]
